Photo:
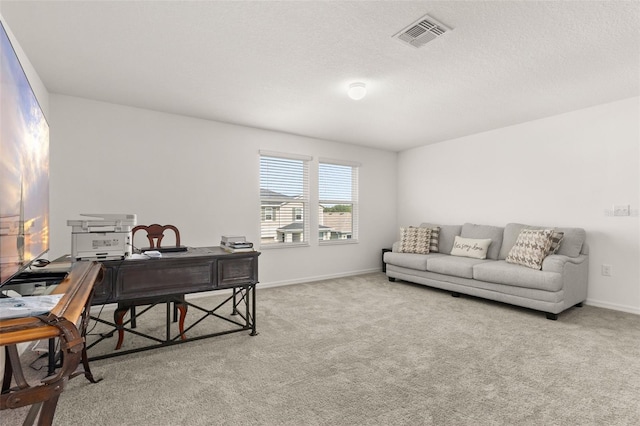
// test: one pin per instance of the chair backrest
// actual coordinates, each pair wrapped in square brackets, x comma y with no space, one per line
[155,234]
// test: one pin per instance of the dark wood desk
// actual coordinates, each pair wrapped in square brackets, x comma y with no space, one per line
[169,278]
[66,322]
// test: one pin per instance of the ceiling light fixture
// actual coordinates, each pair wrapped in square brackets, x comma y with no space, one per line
[357,91]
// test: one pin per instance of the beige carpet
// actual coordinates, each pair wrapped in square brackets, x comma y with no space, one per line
[364,351]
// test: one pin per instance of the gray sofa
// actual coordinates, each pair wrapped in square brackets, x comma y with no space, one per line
[560,284]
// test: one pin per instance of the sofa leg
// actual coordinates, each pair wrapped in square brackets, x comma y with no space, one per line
[551,316]
[578,305]
[392,279]
[454,294]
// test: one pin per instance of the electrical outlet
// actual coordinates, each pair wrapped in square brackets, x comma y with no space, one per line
[607,270]
[621,210]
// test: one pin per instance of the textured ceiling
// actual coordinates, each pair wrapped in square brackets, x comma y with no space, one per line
[285,66]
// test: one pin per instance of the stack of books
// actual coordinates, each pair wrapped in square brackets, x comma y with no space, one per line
[235,244]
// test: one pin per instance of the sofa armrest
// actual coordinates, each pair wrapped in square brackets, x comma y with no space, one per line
[556,262]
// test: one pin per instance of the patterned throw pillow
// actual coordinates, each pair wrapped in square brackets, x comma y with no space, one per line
[531,248]
[556,239]
[415,240]
[435,236]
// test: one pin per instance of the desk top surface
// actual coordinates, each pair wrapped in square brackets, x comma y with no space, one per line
[191,252]
[77,288]
[64,263]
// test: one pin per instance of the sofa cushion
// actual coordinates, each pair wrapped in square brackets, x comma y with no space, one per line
[454,265]
[410,260]
[501,272]
[510,235]
[415,240]
[471,247]
[447,234]
[572,241]
[494,233]
[530,248]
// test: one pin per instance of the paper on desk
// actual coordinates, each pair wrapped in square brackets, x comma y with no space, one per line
[27,306]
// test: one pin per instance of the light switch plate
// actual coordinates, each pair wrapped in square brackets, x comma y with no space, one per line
[621,210]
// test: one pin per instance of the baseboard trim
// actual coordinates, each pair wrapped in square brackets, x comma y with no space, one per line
[316,278]
[613,306]
[193,296]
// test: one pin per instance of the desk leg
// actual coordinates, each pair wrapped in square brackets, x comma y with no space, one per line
[8,371]
[16,367]
[134,324]
[253,311]
[47,412]
[87,370]
[234,310]
[168,338]
[51,356]
[32,414]
[42,398]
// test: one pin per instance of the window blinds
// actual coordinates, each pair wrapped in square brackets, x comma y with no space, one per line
[338,197]
[284,198]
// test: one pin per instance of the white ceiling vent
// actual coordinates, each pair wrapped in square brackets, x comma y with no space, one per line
[422,32]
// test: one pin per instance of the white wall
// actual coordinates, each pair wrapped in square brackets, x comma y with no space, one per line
[203,177]
[564,170]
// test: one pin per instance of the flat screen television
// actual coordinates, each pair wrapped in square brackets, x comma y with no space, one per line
[24,168]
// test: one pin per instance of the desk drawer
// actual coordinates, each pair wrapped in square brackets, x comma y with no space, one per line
[232,272]
[162,279]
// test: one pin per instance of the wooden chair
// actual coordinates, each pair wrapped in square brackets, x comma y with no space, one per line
[154,233]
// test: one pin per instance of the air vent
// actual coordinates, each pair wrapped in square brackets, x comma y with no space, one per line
[422,32]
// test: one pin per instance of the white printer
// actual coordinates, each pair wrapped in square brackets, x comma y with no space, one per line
[106,238]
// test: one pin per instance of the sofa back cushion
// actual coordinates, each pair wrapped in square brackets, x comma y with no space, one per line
[571,244]
[446,237]
[494,233]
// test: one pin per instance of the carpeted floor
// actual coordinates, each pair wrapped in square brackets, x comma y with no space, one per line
[364,351]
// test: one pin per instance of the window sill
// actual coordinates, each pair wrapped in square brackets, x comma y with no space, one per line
[282,246]
[336,242]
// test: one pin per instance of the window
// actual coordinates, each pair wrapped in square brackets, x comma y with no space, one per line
[267,214]
[284,199]
[338,199]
